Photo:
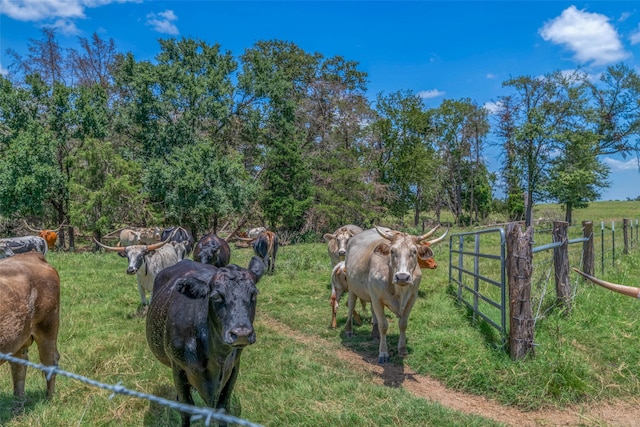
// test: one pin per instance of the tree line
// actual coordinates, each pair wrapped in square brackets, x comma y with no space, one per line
[94,138]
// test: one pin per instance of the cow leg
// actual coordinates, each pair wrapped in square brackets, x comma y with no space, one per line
[49,356]
[19,375]
[351,303]
[383,326]
[183,389]
[143,295]
[334,300]
[402,326]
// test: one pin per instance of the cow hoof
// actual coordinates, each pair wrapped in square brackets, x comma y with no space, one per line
[383,358]
[348,334]
[402,352]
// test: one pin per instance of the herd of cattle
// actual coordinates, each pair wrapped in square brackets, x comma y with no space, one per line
[200,312]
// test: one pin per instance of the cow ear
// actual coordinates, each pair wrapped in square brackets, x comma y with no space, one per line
[424,252]
[328,236]
[123,254]
[193,287]
[382,249]
[256,266]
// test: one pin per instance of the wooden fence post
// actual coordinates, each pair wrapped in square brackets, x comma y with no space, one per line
[519,264]
[625,234]
[588,251]
[561,265]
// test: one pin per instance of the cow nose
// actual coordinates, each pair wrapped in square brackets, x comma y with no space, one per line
[242,336]
[402,278]
[342,252]
[131,270]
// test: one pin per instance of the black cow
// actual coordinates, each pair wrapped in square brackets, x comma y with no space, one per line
[199,321]
[266,247]
[19,245]
[180,234]
[213,250]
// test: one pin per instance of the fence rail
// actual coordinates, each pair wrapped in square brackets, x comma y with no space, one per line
[208,415]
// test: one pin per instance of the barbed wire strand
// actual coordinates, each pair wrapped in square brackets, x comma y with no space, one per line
[197,412]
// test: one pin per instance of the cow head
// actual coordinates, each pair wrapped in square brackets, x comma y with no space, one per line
[134,253]
[341,238]
[232,295]
[404,250]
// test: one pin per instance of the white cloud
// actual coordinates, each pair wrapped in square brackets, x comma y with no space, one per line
[491,76]
[65,26]
[3,71]
[43,10]
[493,107]
[621,165]
[163,22]
[635,36]
[428,94]
[589,35]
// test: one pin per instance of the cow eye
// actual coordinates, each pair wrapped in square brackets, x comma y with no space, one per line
[216,296]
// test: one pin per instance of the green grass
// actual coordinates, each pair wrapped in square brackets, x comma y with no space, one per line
[592,355]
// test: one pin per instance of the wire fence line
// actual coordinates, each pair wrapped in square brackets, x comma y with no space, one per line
[608,242]
[208,415]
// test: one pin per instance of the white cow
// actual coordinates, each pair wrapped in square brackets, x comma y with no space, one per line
[382,268]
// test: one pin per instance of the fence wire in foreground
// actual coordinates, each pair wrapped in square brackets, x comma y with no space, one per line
[197,412]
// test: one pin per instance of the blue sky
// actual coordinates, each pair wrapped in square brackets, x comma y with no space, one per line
[436,49]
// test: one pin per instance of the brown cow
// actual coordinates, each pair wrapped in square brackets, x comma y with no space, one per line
[49,236]
[382,268]
[29,311]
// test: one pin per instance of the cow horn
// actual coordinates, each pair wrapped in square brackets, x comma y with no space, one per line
[439,239]
[429,233]
[387,234]
[110,248]
[30,228]
[246,239]
[59,227]
[625,290]
[159,244]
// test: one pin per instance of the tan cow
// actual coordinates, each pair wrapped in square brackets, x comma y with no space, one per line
[29,311]
[621,289]
[382,268]
[337,242]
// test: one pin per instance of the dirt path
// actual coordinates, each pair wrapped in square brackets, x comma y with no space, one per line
[623,414]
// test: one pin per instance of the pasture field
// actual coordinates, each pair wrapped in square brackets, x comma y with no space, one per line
[292,375]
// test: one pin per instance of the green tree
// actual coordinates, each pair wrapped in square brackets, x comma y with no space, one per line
[197,186]
[576,176]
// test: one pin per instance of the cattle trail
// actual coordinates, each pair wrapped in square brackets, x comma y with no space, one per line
[620,414]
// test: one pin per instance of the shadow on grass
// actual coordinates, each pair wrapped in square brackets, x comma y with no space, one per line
[366,347]
[11,409]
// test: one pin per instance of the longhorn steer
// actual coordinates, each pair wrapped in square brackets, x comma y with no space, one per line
[29,311]
[199,321]
[382,268]
[18,245]
[50,236]
[213,250]
[146,261]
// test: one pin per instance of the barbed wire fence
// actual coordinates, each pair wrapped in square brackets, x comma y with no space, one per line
[608,247]
[206,414]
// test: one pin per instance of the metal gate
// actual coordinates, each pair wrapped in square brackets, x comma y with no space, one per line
[481,286]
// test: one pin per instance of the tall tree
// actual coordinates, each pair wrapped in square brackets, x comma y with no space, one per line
[277,75]
[461,128]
